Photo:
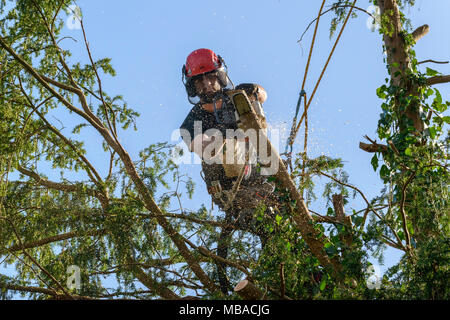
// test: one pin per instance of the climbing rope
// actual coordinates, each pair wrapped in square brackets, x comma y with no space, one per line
[325,67]
[293,133]
[295,125]
[290,141]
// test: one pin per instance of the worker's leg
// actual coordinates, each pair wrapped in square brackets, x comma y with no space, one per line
[223,244]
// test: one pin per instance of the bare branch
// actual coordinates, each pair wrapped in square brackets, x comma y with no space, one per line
[332,8]
[97,180]
[433,61]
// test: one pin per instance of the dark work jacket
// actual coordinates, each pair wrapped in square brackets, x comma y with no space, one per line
[223,119]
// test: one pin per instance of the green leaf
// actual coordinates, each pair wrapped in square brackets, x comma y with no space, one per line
[431,72]
[330,211]
[384,172]
[323,284]
[278,219]
[330,250]
[380,92]
[357,220]
[408,151]
[374,162]
[432,131]
[446,119]
[288,246]
[438,98]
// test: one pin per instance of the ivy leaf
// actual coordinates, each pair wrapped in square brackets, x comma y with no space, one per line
[384,172]
[380,92]
[330,211]
[438,98]
[288,246]
[374,162]
[431,72]
[323,284]
[432,131]
[330,249]
[446,119]
[429,92]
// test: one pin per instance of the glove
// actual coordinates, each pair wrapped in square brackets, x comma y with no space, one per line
[233,157]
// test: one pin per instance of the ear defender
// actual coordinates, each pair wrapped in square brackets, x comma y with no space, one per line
[222,72]
[188,83]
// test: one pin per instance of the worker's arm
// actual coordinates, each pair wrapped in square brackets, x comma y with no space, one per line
[262,94]
[201,141]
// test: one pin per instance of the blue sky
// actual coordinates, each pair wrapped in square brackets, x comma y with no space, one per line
[148,42]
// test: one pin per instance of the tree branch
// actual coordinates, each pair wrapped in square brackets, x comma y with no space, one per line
[402,210]
[420,32]
[54,185]
[438,79]
[373,146]
[433,61]
[150,283]
[48,274]
[59,237]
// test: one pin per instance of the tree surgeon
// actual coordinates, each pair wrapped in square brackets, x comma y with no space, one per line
[230,165]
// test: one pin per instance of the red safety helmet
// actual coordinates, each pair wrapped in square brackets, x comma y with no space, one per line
[199,62]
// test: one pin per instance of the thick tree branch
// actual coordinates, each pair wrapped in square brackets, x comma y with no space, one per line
[248,291]
[151,283]
[438,79]
[338,204]
[373,146]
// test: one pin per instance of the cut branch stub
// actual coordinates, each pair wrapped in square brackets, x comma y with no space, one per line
[248,291]
[420,32]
